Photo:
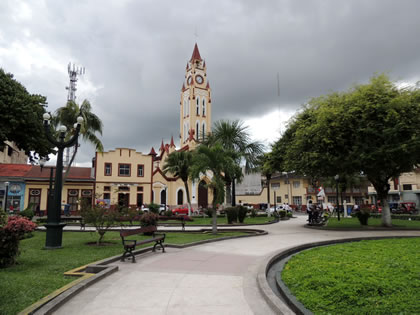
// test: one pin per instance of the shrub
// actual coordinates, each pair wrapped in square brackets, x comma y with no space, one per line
[253,213]
[168,213]
[3,217]
[289,214]
[16,228]
[208,212]
[28,213]
[282,214]
[149,219]
[242,211]
[100,217]
[363,216]
[154,208]
[231,214]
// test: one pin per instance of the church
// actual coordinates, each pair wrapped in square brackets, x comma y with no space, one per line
[124,176]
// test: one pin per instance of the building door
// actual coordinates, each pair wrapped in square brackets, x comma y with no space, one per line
[163,197]
[202,195]
[123,200]
[34,199]
[180,197]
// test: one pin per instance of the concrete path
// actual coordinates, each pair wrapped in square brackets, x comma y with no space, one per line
[215,278]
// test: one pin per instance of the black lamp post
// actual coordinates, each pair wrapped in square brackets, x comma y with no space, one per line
[337,178]
[54,226]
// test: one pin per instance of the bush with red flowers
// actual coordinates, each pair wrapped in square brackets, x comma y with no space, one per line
[14,230]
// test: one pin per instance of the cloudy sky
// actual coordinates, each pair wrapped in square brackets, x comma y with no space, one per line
[135,54]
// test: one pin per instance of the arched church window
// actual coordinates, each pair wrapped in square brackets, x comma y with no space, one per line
[180,197]
[185,108]
[204,106]
[198,105]
[197,130]
[204,130]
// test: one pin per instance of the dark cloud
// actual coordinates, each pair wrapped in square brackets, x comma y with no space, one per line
[135,54]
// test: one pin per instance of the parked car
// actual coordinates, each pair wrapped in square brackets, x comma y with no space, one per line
[180,210]
[162,209]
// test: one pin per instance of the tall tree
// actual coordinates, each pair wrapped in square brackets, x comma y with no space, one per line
[21,117]
[91,125]
[372,129]
[178,163]
[234,137]
[266,166]
[215,160]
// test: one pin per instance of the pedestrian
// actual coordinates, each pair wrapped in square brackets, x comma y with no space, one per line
[309,210]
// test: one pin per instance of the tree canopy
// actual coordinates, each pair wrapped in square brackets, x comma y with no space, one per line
[21,116]
[371,129]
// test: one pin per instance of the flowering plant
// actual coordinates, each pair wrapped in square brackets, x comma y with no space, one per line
[148,219]
[20,225]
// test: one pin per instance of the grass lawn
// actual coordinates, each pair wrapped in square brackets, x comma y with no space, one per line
[351,223]
[39,272]
[367,277]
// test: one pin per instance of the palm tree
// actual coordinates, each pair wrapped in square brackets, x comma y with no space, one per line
[216,160]
[234,137]
[67,116]
[178,163]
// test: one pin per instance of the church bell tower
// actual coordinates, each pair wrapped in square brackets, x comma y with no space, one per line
[195,113]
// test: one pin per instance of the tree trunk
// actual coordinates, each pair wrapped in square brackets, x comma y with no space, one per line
[70,163]
[382,189]
[214,221]
[228,194]
[233,193]
[187,191]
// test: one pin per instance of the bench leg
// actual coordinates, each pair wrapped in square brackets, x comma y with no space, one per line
[130,252]
[183,226]
[161,246]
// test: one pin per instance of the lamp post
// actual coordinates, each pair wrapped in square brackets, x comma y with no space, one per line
[337,178]
[5,196]
[54,226]
[50,189]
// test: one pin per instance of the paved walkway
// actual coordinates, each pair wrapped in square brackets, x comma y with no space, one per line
[215,278]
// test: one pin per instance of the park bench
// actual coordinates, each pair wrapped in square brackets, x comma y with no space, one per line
[182,218]
[130,245]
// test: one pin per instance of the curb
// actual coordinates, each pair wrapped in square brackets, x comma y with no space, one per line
[360,229]
[92,273]
[287,303]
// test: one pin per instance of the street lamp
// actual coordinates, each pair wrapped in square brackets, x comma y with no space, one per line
[50,194]
[54,226]
[5,196]
[337,178]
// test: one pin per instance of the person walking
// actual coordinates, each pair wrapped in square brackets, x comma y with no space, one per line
[310,211]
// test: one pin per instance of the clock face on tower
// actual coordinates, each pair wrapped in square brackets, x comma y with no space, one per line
[189,81]
[199,79]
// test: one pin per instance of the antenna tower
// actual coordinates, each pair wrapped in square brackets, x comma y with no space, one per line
[73,73]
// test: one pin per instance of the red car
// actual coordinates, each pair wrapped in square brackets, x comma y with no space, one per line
[180,210]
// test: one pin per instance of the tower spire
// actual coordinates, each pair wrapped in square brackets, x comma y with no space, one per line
[196,54]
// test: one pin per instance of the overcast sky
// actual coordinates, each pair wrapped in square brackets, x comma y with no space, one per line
[135,54]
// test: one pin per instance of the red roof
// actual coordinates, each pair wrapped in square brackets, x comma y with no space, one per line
[14,170]
[75,173]
[196,54]
[172,142]
[152,151]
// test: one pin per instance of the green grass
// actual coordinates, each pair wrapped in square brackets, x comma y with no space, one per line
[39,272]
[351,223]
[367,277]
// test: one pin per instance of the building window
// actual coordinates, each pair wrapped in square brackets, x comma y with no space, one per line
[286,196]
[124,169]
[204,107]
[407,187]
[297,200]
[204,131]
[107,196]
[198,106]
[34,199]
[278,199]
[139,188]
[87,196]
[123,200]
[140,170]
[72,198]
[107,188]
[275,186]
[185,108]
[108,169]
[296,184]
[124,188]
